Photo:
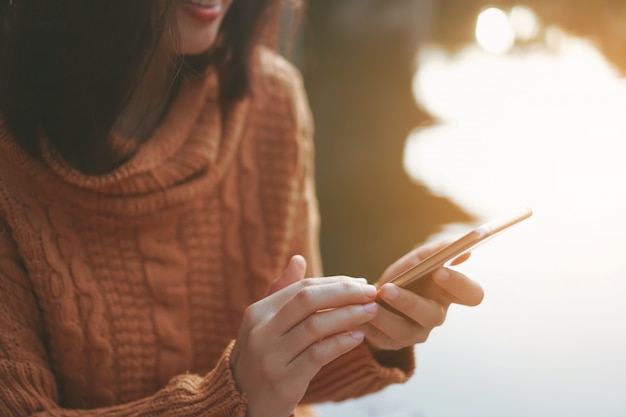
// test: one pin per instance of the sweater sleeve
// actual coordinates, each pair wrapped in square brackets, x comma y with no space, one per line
[27,382]
[358,372]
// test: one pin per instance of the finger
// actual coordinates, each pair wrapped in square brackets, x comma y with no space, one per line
[410,259]
[275,301]
[324,324]
[310,299]
[293,272]
[377,338]
[461,258]
[308,363]
[462,289]
[423,311]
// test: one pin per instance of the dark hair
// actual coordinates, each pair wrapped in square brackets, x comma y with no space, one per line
[68,67]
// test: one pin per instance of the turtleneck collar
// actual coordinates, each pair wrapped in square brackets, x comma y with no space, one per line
[191,147]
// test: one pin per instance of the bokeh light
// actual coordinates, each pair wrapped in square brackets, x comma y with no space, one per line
[524,23]
[494,32]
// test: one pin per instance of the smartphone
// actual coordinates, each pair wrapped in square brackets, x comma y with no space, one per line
[455,252]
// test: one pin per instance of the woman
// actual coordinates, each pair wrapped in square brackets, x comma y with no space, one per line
[158,220]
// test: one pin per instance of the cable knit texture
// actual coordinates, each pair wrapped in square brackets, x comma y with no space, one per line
[120,294]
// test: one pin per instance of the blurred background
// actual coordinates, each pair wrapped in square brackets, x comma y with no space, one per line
[433,115]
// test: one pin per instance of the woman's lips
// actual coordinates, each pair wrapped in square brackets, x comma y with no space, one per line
[204,11]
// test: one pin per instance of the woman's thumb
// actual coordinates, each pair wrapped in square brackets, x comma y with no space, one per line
[294,272]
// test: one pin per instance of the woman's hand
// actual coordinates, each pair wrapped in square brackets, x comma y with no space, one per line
[389,331]
[288,336]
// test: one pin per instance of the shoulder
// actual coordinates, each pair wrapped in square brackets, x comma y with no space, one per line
[278,92]
[273,74]
[269,64]
[21,174]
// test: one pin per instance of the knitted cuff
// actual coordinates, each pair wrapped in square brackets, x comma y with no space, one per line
[358,373]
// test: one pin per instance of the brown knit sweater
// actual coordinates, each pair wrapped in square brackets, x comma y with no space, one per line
[120,294]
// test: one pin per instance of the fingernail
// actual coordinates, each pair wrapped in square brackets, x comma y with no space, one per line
[370,291]
[390,292]
[357,335]
[442,274]
[371,307]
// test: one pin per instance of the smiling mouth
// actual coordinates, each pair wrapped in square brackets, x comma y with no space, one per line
[204,11]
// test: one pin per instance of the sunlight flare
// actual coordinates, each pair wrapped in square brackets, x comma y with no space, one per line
[494,32]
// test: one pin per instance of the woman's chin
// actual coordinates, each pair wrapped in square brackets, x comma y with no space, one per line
[199,25]
[195,46]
